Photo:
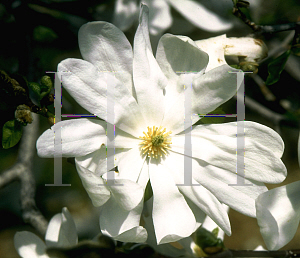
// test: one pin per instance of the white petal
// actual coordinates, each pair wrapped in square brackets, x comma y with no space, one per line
[125,13]
[260,248]
[210,225]
[209,91]
[180,70]
[131,164]
[278,214]
[121,224]
[198,213]
[105,46]
[213,89]
[216,144]
[94,185]
[215,48]
[97,160]
[172,217]
[173,63]
[218,181]
[149,81]
[29,245]
[127,193]
[79,137]
[61,231]
[160,17]
[144,175]
[203,199]
[200,16]
[167,249]
[89,87]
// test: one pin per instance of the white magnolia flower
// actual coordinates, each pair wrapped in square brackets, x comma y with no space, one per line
[185,247]
[61,232]
[150,97]
[278,213]
[126,12]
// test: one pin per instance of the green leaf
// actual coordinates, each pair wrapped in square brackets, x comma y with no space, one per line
[208,241]
[148,192]
[41,90]
[215,231]
[46,86]
[276,67]
[44,34]
[214,120]
[205,238]
[11,134]
[35,87]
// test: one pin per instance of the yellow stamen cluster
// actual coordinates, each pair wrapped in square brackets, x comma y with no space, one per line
[155,142]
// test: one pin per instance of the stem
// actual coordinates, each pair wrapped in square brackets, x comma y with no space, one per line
[251,253]
[264,29]
[22,171]
[277,28]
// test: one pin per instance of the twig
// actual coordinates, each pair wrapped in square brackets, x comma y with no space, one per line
[263,29]
[263,111]
[238,13]
[263,88]
[276,47]
[266,113]
[250,253]
[269,29]
[22,171]
[292,66]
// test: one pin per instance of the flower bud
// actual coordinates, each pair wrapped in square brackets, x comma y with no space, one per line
[23,115]
[249,51]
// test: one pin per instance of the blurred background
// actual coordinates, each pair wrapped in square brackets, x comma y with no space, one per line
[36,35]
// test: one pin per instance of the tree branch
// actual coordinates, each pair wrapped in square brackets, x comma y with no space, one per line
[22,171]
[250,253]
[263,29]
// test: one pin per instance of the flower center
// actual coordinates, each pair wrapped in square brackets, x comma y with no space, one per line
[155,142]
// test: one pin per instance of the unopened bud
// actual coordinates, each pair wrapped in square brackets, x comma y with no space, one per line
[23,115]
[249,51]
[249,67]
[46,81]
[51,120]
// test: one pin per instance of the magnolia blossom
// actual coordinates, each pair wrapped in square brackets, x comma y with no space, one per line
[248,50]
[126,12]
[278,213]
[152,103]
[61,232]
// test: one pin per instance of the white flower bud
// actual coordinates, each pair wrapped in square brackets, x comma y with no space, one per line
[249,51]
